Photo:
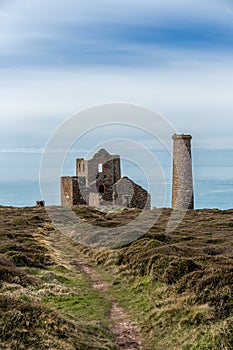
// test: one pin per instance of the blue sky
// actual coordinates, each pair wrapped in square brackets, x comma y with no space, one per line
[59,57]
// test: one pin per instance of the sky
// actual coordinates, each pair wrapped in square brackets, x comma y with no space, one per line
[60,57]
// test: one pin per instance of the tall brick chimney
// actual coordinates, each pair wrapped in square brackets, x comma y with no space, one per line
[182,184]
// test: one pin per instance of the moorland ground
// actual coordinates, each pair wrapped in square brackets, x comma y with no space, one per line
[170,290]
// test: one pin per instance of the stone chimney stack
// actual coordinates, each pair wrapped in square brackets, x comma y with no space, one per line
[182,184]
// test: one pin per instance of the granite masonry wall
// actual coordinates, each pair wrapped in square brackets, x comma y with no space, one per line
[73,191]
[128,194]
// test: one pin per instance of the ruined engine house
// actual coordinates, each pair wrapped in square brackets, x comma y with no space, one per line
[98,182]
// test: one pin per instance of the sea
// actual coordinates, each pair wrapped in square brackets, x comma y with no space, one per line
[20,184]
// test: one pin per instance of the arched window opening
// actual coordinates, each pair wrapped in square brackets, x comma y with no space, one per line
[101,189]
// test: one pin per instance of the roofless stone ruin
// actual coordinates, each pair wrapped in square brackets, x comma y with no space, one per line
[98,181]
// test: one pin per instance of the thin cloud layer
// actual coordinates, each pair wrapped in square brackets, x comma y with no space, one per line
[82,33]
[35,102]
[58,57]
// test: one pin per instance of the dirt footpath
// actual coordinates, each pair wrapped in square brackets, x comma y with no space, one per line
[126,334]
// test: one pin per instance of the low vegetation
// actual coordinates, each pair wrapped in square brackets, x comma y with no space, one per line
[177,285]
[45,303]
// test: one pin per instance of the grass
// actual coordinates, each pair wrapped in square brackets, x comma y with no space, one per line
[44,302]
[27,325]
[78,300]
[177,286]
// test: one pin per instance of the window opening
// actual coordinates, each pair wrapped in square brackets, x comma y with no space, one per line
[100,168]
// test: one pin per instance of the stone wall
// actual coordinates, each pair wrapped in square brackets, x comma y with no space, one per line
[94,199]
[73,191]
[82,168]
[103,172]
[128,194]
[66,191]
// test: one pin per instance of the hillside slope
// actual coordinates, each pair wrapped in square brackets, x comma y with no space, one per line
[45,301]
[177,287]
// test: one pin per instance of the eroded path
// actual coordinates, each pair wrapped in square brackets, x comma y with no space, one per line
[126,334]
